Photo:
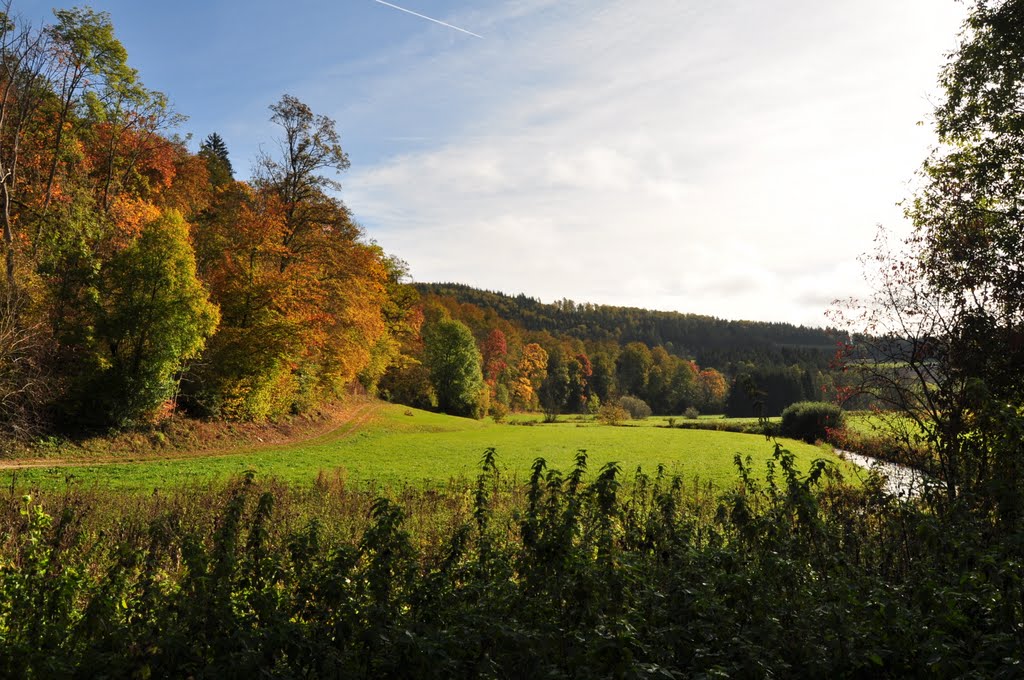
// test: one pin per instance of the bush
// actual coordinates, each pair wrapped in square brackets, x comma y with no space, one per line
[810,420]
[612,414]
[499,411]
[691,413]
[637,408]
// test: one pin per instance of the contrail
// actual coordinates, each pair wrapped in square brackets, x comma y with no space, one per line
[423,16]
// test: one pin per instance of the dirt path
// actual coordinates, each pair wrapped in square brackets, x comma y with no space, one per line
[344,423]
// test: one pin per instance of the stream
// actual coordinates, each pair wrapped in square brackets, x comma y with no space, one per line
[899,479]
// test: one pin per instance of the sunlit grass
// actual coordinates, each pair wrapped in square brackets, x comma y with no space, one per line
[400,446]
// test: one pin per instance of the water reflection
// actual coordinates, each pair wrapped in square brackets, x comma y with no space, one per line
[899,479]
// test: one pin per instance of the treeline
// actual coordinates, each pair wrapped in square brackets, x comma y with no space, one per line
[708,340]
[139,275]
[568,358]
[469,361]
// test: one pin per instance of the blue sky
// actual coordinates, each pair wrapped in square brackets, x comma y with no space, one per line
[730,158]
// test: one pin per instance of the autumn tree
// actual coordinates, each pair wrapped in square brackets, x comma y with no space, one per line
[532,370]
[403,320]
[337,283]
[713,390]
[120,245]
[308,305]
[87,57]
[494,352]
[309,148]
[128,153]
[580,372]
[246,371]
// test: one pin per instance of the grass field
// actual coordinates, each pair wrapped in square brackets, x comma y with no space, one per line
[867,423]
[395,445]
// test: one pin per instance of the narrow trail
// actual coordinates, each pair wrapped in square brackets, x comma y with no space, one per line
[345,427]
[349,426]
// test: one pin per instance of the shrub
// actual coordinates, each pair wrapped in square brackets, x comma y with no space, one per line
[810,420]
[499,411]
[691,413]
[637,408]
[612,414]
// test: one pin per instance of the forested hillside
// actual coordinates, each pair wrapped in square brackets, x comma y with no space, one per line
[706,339]
[671,361]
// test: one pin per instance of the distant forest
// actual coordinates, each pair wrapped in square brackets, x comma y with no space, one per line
[594,354]
[706,339]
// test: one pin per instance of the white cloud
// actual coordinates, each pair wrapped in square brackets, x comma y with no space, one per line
[727,158]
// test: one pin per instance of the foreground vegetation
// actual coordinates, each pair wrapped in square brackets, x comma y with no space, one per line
[570,575]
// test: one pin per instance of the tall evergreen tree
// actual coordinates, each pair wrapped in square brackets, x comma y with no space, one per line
[215,151]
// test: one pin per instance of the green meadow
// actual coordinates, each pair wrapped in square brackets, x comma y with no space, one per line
[399,446]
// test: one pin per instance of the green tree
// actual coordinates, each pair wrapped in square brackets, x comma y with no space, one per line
[451,355]
[659,381]
[969,226]
[87,56]
[968,212]
[684,391]
[947,319]
[602,381]
[155,316]
[634,369]
[554,391]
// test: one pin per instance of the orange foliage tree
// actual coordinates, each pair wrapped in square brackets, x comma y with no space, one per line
[303,296]
[532,369]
